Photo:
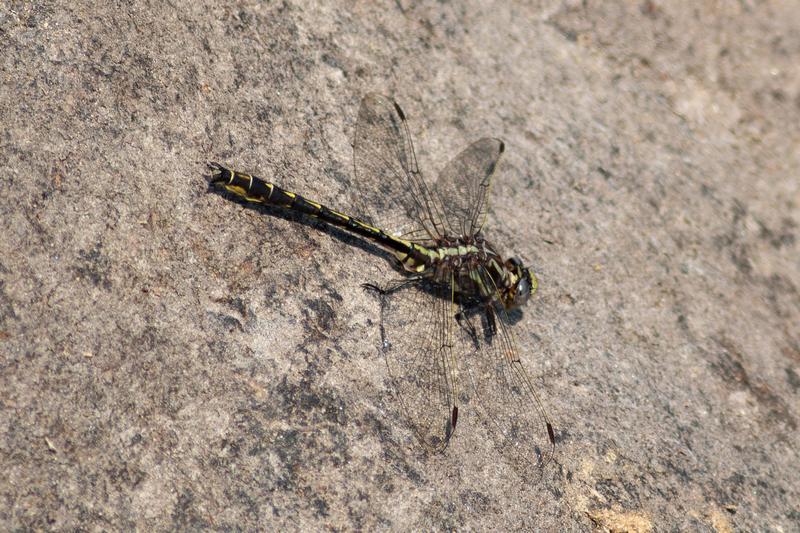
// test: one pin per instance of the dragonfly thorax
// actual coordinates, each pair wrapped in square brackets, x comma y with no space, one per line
[477,272]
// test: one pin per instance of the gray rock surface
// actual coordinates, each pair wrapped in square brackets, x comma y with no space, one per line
[171,360]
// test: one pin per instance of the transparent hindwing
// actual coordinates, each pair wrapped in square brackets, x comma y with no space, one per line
[417,330]
[390,191]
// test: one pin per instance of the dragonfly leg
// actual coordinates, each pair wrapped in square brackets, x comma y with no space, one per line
[468,327]
[393,286]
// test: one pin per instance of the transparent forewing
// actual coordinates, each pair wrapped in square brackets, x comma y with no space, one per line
[463,186]
[390,190]
[512,408]
[417,330]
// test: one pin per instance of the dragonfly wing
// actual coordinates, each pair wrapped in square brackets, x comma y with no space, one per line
[390,190]
[463,185]
[511,405]
[417,329]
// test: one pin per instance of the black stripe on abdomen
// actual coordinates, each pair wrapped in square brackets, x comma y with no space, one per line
[256,190]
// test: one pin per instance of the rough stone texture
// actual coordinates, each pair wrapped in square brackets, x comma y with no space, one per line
[173,361]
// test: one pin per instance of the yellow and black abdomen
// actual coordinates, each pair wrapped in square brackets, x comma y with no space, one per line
[256,190]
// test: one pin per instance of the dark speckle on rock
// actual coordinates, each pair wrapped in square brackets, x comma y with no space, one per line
[321,507]
[322,312]
[793,377]
[94,266]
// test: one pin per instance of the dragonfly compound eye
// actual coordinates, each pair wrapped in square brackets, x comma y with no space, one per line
[522,292]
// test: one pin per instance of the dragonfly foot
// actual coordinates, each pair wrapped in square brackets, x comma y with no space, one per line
[373,288]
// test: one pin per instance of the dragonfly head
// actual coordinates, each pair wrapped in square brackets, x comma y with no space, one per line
[523,287]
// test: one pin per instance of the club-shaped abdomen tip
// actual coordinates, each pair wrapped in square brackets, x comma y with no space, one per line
[218,173]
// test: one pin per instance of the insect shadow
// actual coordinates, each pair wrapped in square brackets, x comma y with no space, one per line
[306,220]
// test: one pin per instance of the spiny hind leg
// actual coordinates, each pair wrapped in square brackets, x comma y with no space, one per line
[391,287]
[464,321]
[384,293]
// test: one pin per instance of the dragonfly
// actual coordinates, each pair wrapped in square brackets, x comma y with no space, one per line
[447,336]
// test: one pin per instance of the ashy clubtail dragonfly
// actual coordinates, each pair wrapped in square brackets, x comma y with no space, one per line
[446,333]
